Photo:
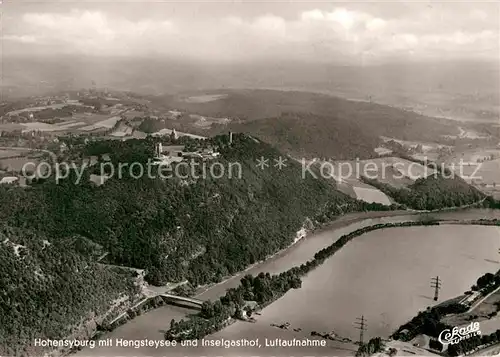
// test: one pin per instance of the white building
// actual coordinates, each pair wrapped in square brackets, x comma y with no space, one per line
[9,180]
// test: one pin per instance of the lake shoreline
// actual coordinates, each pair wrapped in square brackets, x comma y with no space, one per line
[353,218]
[328,252]
[341,222]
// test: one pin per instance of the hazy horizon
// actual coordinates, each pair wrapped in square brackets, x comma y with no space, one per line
[442,58]
[354,33]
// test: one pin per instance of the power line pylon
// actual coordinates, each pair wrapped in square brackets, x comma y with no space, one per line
[361,326]
[436,284]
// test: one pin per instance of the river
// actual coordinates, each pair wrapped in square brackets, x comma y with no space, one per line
[384,275]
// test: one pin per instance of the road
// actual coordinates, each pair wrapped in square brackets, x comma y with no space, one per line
[476,305]
[488,351]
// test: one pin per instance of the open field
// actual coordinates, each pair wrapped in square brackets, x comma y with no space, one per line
[362,191]
[36,109]
[133,114]
[473,155]
[17,164]
[391,170]
[38,126]
[430,156]
[163,132]
[9,153]
[479,313]
[11,126]
[383,151]
[205,98]
[70,124]
[206,122]
[486,172]
[122,130]
[371,195]
[104,124]
[467,134]
[425,145]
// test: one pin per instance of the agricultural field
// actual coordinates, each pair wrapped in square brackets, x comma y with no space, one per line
[205,98]
[17,164]
[383,151]
[38,126]
[164,132]
[207,122]
[485,172]
[391,170]
[467,134]
[103,124]
[428,156]
[131,114]
[360,190]
[11,126]
[37,109]
[9,153]
[480,166]
[475,155]
[371,195]
[426,147]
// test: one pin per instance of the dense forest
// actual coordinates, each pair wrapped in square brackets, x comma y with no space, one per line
[199,229]
[176,229]
[48,286]
[251,106]
[182,228]
[428,322]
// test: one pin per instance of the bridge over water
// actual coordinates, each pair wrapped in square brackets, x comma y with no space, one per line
[181,299]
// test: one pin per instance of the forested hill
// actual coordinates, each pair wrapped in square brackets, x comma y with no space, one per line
[49,290]
[313,136]
[200,229]
[434,192]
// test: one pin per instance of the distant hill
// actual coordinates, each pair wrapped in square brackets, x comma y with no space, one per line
[316,124]
[313,136]
[433,192]
[460,89]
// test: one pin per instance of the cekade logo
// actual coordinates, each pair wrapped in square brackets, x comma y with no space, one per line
[456,335]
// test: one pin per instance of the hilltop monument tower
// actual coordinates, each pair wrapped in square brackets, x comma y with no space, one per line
[159,150]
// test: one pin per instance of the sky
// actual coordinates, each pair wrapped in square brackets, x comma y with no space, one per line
[228,31]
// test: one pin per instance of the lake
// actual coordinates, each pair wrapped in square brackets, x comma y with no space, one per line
[384,275]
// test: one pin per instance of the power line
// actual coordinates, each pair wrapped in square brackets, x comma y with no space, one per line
[436,285]
[361,326]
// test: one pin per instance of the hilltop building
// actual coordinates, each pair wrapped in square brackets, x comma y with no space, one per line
[174,154]
[9,180]
[173,135]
